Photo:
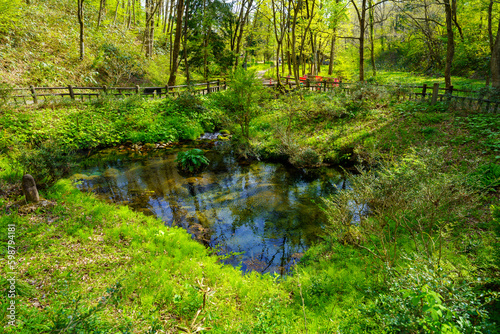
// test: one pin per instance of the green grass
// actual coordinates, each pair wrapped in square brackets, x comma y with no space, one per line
[114,270]
[391,77]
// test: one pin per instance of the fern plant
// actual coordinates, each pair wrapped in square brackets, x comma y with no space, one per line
[192,160]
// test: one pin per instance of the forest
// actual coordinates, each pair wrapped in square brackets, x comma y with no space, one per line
[162,41]
[250,166]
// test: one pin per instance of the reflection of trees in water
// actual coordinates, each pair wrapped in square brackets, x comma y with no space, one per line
[228,203]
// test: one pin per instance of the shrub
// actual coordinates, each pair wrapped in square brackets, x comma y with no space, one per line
[409,202]
[47,163]
[240,101]
[305,157]
[192,160]
[423,299]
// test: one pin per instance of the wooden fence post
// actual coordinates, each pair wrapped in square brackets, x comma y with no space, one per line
[449,92]
[208,87]
[33,94]
[105,89]
[435,92]
[218,85]
[166,92]
[137,89]
[71,92]
[424,90]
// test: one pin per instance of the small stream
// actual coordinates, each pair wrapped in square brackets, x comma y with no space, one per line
[261,216]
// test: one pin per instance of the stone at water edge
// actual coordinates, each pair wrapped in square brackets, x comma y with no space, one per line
[29,189]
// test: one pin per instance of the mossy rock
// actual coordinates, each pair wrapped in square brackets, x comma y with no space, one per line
[220,137]
[225,132]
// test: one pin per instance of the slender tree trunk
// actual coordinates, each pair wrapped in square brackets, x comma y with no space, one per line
[450,50]
[495,61]
[361,13]
[186,63]
[102,6]
[165,17]
[372,44]
[332,51]
[294,40]
[133,12]
[490,38]
[177,43]
[80,21]
[242,26]
[116,12]
[129,10]
[362,51]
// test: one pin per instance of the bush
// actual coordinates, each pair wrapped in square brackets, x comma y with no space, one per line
[408,203]
[240,101]
[192,160]
[47,163]
[305,157]
[423,299]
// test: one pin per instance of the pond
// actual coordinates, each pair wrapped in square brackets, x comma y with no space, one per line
[258,216]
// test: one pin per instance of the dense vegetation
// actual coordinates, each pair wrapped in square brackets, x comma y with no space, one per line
[413,244]
[420,259]
[118,42]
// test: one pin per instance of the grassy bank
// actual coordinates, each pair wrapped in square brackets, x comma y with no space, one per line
[84,264]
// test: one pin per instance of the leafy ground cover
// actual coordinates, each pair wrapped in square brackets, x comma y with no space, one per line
[421,257]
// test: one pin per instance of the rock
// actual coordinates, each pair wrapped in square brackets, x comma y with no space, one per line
[29,189]
[111,173]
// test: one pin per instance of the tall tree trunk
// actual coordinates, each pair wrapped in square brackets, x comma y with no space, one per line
[177,43]
[133,12]
[242,26]
[129,11]
[361,13]
[372,44]
[495,61]
[80,21]
[450,49]
[116,12]
[293,41]
[186,63]
[102,6]
[490,38]
[332,51]
[165,17]
[149,28]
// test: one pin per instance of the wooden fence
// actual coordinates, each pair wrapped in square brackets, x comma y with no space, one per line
[33,95]
[468,99]
[474,100]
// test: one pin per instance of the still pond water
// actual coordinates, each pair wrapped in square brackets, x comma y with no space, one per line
[263,216]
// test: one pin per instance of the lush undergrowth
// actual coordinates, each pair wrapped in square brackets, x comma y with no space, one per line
[43,139]
[421,257]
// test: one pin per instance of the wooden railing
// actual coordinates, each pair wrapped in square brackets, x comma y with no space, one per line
[33,95]
[470,99]
[475,100]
